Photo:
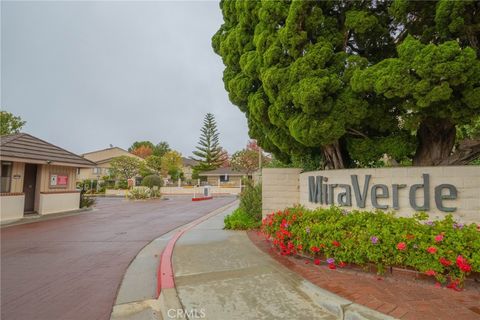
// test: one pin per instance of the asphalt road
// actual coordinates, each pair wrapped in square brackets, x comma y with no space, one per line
[71,267]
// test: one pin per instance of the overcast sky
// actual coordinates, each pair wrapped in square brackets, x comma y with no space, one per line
[88,74]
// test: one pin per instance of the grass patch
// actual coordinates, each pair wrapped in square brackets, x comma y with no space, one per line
[240,220]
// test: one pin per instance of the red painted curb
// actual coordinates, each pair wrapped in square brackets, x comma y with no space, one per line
[202,198]
[165,270]
[165,276]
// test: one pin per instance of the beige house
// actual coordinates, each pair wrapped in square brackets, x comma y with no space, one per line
[224,177]
[102,159]
[37,177]
[187,167]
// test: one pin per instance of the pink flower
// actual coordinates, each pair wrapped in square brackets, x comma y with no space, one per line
[336,243]
[462,263]
[401,246]
[445,262]
[314,249]
[439,238]
[432,250]
[430,272]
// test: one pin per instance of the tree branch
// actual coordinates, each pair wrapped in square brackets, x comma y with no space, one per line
[357,133]
[467,151]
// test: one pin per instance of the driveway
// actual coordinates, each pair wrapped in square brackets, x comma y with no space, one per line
[71,267]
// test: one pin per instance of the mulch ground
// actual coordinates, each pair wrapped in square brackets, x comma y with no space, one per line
[399,298]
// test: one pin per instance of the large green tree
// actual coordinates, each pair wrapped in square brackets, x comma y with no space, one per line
[125,167]
[161,149]
[249,159]
[139,144]
[355,80]
[157,150]
[171,164]
[209,153]
[10,123]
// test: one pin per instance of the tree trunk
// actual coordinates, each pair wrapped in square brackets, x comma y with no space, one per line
[436,138]
[466,151]
[333,156]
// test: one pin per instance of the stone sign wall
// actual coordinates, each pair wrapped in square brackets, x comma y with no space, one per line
[435,190]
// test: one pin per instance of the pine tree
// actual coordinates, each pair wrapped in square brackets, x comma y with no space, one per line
[209,153]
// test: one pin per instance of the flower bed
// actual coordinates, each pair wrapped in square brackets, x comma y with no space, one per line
[442,249]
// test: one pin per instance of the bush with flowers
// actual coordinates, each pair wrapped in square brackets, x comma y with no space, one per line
[444,249]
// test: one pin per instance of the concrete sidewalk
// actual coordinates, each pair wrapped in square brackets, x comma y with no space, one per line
[220,274]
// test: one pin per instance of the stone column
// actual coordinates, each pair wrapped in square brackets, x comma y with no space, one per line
[280,189]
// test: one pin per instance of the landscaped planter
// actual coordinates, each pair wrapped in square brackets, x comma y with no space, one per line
[400,273]
[380,243]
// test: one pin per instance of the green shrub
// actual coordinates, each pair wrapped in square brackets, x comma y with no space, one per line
[139,193]
[445,249]
[155,192]
[251,200]
[85,201]
[152,180]
[121,184]
[240,220]
[142,193]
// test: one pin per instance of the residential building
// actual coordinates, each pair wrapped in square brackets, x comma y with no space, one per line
[187,167]
[37,177]
[102,158]
[224,177]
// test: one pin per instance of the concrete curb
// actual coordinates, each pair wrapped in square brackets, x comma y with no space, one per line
[45,217]
[166,293]
[340,307]
[166,278]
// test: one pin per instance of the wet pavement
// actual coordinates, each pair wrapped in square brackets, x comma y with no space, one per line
[71,267]
[220,274]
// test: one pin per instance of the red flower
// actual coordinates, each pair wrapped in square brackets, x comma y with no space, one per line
[439,238]
[342,264]
[445,262]
[432,250]
[336,243]
[430,272]
[462,263]
[315,249]
[307,262]
[401,246]
[332,266]
[299,247]
[316,261]
[454,285]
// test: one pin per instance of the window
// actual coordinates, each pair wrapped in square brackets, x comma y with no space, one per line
[6,174]
[78,171]
[224,178]
[97,170]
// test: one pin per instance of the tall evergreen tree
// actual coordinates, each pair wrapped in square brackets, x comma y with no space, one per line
[354,80]
[209,153]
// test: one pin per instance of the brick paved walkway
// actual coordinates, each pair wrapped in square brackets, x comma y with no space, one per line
[400,299]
